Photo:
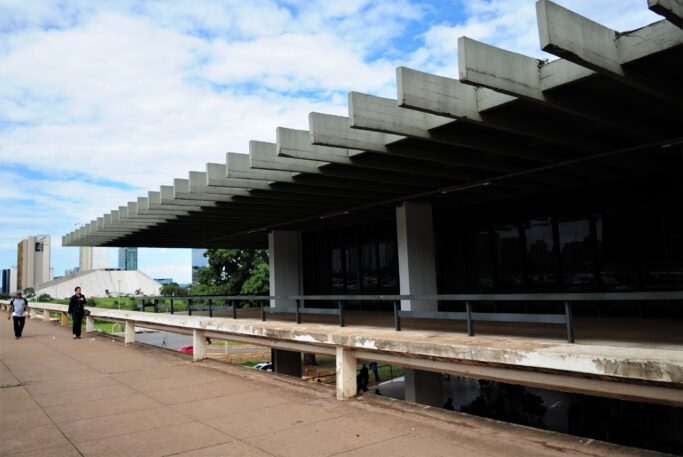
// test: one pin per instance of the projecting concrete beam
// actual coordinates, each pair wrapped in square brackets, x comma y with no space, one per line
[592,45]
[216,176]
[383,114]
[335,131]
[450,97]
[263,155]
[526,77]
[239,166]
[672,10]
[199,183]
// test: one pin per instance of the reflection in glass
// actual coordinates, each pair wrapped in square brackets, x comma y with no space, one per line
[576,250]
[509,257]
[541,261]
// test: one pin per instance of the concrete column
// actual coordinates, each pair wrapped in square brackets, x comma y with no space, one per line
[46,315]
[346,374]
[423,387]
[287,362]
[285,269]
[64,319]
[89,324]
[198,345]
[416,260]
[130,332]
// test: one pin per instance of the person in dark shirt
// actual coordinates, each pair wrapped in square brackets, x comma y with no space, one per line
[77,311]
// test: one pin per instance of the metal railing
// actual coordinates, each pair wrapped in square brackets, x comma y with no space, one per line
[208,303]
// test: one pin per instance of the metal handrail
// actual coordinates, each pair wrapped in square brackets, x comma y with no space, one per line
[468,315]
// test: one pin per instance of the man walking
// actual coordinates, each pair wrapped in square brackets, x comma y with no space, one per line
[18,311]
[77,311]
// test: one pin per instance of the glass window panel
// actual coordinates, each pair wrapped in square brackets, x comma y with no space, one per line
[509,256]
[542,265]
[480,262]
[617,250]
[576,251]
[369,267]
[352,268]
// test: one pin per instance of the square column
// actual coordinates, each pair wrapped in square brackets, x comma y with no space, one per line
[287,362]
[285,266]
[198,345]
[130,333]
[423,387]
[416,259]
[346,374]
[46,315]
[89,324]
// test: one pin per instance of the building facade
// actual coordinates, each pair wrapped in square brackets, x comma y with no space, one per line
[93,258]
[33,261]
[128,259]
[198,262]
[9,280]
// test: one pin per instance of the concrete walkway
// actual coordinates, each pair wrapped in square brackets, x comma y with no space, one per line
[95,397]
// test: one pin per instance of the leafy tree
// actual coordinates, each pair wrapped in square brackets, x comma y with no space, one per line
[173,290]
[44,298]
[234,271]
[29,292]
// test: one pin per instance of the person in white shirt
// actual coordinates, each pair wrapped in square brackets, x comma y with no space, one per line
[18,311]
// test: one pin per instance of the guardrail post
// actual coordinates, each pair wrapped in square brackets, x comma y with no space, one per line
[570,321]
[210,308]
[298,316]
[263,311]
[470,324]
[342,321]
[198,345]
[46,315]
[64,319]
[234,309]
[346,374]
[189,307]
[129,333]
[89,324]
[397,317]
[172,310]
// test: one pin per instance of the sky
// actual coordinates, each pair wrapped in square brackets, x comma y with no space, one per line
[103,101]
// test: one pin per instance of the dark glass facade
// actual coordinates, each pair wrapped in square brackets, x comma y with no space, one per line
[352,260]
[610,237]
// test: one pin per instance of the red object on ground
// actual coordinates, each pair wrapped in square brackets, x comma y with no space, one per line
[186,350]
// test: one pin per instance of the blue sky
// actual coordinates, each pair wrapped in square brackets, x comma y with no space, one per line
[102,101]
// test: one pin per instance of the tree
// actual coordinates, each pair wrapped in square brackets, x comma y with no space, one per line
[233,272]
[44,298]
[29,292]
[173,290]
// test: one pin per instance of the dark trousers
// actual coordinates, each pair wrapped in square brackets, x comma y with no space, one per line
[78,322]
[18,325]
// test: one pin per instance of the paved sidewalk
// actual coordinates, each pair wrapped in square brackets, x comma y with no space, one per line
[94,397]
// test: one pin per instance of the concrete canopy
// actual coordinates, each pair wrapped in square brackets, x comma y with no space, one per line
[610,107]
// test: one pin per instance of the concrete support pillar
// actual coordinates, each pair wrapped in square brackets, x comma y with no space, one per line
[287,362]
[46,315]
[285,266]
[416,259]
[89,324]
[64,319]
[346,374]
[130,332]
[423,387]
[198,345]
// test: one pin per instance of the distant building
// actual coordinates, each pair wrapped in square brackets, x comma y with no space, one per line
[71,271]
[9,280]
[91,258]
[128,259]
[33,261]
[198,261]
[164,281]
[102,283]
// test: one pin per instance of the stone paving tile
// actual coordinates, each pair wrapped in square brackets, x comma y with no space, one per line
[155,443]
[229,404]
[233,449]
[30,439]
[13,399]
[261,421]
[83,395]
[154,380]
[40,388]
[121,424]
[195,392]
[62,450]
[22,419]
[326,437]
[100,408]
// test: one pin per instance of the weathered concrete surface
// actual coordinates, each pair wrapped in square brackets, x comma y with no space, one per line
[630,365]
[138,401]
